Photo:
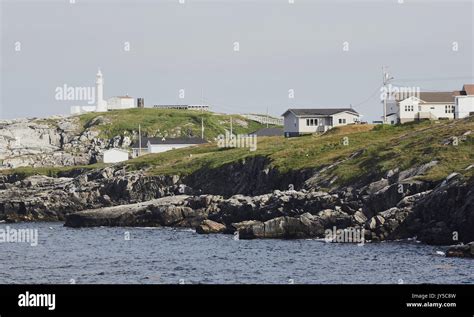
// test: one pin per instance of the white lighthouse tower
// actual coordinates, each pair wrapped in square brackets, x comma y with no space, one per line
[101,104]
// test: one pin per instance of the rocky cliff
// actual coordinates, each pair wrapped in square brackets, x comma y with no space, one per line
[398,206]
[56,141]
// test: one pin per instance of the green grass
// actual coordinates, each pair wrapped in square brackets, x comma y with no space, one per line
[24,172]
[383,148]
[162,122]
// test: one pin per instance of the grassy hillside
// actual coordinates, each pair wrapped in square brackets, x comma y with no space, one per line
[383,148]
[162,122]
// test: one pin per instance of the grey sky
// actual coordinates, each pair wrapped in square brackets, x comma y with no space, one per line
[282,46]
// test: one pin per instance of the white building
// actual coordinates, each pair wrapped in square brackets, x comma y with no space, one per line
[120,102]
[464,102]
[431,105]
[420,106]
[115,155]
[159,145]
[303,121]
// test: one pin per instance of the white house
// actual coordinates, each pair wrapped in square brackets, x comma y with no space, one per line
[115,155]
[159,145]
[301,121]
[402,108]
[464,102]
[421,106]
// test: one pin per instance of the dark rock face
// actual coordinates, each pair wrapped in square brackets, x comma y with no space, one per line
[446,215]
[50,199]
[251,176]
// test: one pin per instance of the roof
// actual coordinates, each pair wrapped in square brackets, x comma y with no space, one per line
[123,97]
[319,111]
[437,96]
[157,141]
[116,149]
[468,89]
[429,96]
[269,132]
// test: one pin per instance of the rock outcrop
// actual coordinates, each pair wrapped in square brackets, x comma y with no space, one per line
[165,211]
[463,251]
[209,226]
[56,141]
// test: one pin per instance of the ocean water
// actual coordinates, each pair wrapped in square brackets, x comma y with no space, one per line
[172,256]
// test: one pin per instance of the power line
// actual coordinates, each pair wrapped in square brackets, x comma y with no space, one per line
[370,97]
[432,79]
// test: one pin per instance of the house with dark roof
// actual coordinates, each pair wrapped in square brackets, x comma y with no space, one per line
[159,145]
[304,121]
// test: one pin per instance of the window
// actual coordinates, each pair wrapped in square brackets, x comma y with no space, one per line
[409,108]
[311,122]
[342,121]
[449,109]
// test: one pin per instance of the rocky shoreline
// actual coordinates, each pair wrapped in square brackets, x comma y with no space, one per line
[395,206]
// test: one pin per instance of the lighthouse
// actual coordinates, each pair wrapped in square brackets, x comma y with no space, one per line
[101,104]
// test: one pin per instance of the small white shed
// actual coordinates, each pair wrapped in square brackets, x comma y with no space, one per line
[115,155]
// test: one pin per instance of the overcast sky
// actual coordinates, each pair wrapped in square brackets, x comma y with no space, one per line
[191,46]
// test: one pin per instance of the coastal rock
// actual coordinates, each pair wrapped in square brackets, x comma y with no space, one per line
[389,224]
[209,226]
[463,251]
[445,215]
[304,226]
[158,212]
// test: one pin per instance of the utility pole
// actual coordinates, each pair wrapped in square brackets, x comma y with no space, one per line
[202,113]
[267,116]
[231,126]
[385,80]
[202,128]
[139,140]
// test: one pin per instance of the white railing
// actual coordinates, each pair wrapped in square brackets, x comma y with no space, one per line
[263,119]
